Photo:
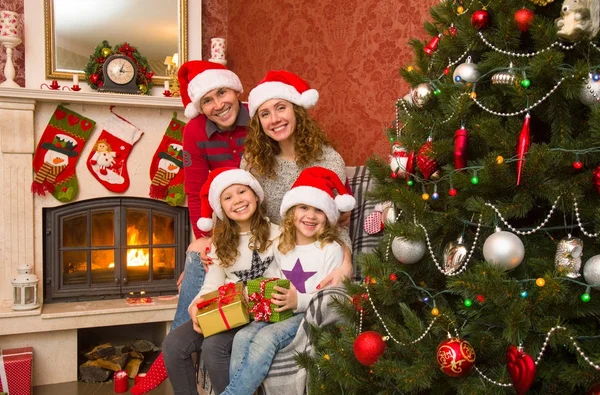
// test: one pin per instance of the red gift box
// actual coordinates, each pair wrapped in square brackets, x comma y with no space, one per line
[16,366]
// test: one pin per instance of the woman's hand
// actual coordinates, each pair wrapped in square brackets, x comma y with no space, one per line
[344,219]
[286,299]
[202,246]
[193,310]
[337,276]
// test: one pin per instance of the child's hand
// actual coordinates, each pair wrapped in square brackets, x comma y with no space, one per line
[193,310]
[202,245]
[286,299]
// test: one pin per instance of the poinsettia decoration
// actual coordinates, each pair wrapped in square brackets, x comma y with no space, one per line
[94,69]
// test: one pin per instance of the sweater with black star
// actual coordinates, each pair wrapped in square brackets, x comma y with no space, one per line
[248,265]
[307,265]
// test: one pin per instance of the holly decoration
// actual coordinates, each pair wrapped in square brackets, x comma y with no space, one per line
[524,19]
[456,357]
[521,368]
[94,68]
[368,347]
[480,19]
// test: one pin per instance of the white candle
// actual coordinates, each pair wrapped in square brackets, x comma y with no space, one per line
[75,79]
[167,85]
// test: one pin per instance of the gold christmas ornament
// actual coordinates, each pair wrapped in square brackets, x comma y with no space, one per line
[568,256]
[106,52]
[143,88]
[506,77]
[541,2]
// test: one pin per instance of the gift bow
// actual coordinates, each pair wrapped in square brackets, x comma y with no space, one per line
[262,307]
[226,295]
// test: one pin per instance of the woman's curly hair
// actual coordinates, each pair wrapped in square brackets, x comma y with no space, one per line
[226,236]
[260,150]
[287,238]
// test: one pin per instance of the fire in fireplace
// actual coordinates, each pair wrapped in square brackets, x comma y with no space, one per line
[112,247]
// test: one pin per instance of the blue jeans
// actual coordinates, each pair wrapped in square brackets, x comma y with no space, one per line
[193,278]
[253,350]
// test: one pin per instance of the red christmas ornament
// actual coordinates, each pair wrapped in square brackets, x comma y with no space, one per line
[410,165]
[456,357]
[453,31]
[596,178]
[594,390]
[452,192]
[523,146]
[461,140]
[578,165]
[432,46]
[521,368]
[368,347]
[426,164]
[480,19]
[524,19]
[94,79]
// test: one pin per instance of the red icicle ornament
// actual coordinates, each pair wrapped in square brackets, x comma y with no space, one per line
[596,178]
[410,165]
[521,368]
[461,141]
[523,146]
[430,48]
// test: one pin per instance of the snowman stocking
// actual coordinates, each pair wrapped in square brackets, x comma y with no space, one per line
[108,159]
[57,153]
[166,169]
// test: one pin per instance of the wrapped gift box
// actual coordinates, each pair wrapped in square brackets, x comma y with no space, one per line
[222,310]
[259,296]
[16,365]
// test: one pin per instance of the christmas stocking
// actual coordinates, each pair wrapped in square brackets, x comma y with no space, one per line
[166,169]
[108,159]
[57,153]
[156,375]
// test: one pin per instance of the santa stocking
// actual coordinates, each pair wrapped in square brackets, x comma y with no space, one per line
[108,159]
[57,153]
[166,169]
[156,375]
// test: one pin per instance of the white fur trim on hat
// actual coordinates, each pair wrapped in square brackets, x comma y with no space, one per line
[311,196]
[345,203]
[224,181]
[208,80]
[205,224]
[191,111]
[279,90]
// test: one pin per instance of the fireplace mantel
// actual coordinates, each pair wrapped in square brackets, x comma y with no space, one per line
[24,114]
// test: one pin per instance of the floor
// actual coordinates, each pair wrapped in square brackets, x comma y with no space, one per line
[81,388]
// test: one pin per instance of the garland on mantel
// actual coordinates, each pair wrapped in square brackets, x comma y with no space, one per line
[94,68]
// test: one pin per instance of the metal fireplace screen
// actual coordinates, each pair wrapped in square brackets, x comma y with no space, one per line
[113,247]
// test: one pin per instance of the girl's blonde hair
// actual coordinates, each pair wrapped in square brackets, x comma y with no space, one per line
[226,235]
[287,238]
[260,150]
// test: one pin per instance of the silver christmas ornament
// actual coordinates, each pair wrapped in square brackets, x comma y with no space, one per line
[465,72]
[590,92]
[504,250]
[408,252]
[591,271]
[568,256]
[422,95]
[455,254]
[408,98]
[504,77]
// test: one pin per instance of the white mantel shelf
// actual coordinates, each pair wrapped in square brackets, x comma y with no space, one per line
[97,98]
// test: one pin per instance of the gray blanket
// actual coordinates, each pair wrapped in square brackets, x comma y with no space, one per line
[285,377]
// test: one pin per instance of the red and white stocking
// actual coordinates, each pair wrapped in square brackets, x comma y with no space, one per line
[156,375]
[108,159]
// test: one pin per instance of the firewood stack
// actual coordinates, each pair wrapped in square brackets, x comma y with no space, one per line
[105,359]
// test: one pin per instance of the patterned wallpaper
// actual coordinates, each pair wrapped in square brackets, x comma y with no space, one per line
[350,51]
[18,52]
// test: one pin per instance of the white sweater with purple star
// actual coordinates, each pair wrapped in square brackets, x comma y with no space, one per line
[307,265]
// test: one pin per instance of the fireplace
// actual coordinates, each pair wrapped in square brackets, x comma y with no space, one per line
[112,248]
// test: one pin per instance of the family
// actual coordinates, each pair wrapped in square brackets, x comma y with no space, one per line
[276,186]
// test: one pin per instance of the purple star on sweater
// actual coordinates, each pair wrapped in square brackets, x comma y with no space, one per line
[298,276]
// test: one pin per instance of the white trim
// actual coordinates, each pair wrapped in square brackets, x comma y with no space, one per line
[211,79]
[122,130]
[313,197]
[226,179]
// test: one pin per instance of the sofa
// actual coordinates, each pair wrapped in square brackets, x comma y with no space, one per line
[284,375]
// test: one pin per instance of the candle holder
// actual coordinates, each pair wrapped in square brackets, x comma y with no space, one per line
[167,93]
[9,42]
[53,86]
[74,88]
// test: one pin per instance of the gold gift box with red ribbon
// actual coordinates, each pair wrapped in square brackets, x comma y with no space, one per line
[223,309]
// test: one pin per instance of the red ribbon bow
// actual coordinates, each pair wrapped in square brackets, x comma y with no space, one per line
[262,307]
[226,295]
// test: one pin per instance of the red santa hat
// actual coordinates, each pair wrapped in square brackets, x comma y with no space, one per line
[281,84]
[314,187]
[210,195]
[198,77]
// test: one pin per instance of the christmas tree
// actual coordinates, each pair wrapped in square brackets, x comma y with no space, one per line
[487,278]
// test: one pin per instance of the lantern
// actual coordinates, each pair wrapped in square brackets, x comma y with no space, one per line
[25,287]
